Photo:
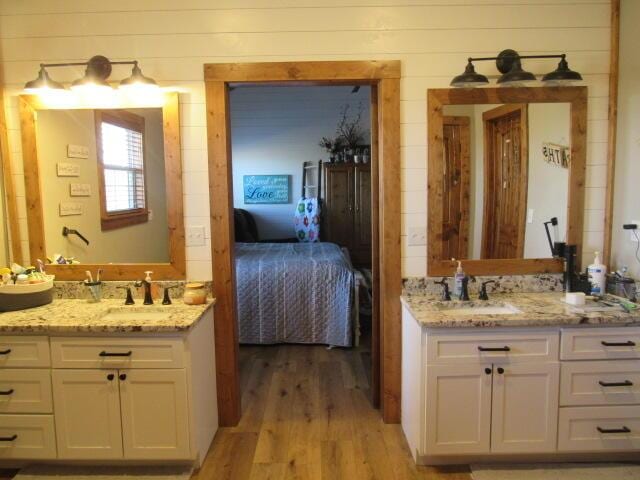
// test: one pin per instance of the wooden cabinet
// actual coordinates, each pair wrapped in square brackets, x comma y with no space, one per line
[346,209]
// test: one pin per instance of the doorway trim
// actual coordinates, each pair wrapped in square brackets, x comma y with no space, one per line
[384,78]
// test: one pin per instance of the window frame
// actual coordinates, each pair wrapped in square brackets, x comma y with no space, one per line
[124,218]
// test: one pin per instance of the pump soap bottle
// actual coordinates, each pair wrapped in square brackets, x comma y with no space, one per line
[597,276]
[458,279]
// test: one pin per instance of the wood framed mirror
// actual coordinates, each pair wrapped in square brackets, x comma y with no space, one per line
[115,176]
[501,162]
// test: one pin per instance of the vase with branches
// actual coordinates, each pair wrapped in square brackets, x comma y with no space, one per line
[349,128]
[332,146]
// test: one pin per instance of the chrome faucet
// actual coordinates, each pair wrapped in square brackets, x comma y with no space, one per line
[146,283]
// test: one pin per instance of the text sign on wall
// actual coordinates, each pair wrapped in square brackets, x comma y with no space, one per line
[266,188]
[555,154]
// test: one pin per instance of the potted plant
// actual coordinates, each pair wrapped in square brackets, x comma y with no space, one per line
[332,146]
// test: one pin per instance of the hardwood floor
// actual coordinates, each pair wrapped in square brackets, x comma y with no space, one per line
[306,415]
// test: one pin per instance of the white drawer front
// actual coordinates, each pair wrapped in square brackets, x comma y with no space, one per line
[477,347]
[27,436]
[24,351]
[599,428]
[25,391]
[612,382]
[115,352]
[600,343]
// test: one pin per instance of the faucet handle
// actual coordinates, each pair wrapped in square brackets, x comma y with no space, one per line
[129,299]
[446,295]
[166,300]
[483,290]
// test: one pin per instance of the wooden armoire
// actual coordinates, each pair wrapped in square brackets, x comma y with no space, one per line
[346,209]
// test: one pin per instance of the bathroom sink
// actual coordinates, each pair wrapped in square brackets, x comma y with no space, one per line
[470,310]
[135,315]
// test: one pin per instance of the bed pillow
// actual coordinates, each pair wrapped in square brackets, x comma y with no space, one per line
[306,220]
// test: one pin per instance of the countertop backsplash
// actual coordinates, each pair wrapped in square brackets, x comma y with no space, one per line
[110,290]
[545,282]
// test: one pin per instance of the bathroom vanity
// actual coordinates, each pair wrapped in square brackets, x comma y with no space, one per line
[107,383]
[520,377]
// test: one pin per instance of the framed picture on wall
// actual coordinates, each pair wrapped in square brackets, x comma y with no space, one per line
[266,189]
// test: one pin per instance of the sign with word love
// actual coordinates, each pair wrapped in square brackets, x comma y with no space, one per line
[266,188]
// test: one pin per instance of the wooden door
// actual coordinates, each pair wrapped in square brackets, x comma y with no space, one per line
[362,216]
[525,407]
[87,414]
[337,214]
[155,416]
[505,181]
[456,187]
[458,409]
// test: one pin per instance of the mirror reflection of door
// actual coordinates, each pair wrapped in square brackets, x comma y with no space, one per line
[505,181]
[455,211]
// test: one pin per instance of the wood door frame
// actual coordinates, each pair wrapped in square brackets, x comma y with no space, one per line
[464,123]
[384,77]
[487,117]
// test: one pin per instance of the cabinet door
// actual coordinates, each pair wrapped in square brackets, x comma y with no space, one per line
[87,414]
[525,407]
[155,417]
[362,218]
[458,409]
[337,208]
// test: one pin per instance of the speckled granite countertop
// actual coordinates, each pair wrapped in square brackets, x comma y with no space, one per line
[79,316]
[536,310]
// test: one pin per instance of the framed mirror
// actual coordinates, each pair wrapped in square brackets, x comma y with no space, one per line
[501,163]
[104,189]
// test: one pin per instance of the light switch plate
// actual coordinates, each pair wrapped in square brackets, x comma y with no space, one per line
[417,236]
[195,236]
[530,215]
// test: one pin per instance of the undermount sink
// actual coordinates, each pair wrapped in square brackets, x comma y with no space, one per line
[463,310]
[135,314]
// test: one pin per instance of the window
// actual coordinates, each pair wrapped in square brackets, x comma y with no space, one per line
[121,168]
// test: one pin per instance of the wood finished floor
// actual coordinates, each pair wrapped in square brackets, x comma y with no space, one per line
[307,415]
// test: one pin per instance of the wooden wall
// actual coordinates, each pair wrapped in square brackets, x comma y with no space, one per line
[432,38]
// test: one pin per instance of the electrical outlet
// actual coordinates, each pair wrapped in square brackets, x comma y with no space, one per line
[634,235]
[417,236]
[195,236]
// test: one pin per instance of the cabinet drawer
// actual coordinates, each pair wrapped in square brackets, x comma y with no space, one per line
[600,343]
[115,352]
[27,436]
[24,351]
[476,347]
[613,382]
[25,391]
[599,428]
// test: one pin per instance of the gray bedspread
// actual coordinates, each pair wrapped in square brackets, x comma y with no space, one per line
[293,293]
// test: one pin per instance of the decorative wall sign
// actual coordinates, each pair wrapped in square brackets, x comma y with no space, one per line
[266,188]
[70,208]
[555,154]
[68,169]
[77,151]
[80,189]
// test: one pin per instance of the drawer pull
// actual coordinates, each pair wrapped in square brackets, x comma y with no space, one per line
[494,349]
[5,352]
[9,439]
[626,383]
[628,343]
[115,354]
[614,430]
[6,392]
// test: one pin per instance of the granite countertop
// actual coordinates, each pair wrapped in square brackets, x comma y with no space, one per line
[79,316]
[536,310]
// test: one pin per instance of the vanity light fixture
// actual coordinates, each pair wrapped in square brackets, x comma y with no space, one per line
[508,62]
[98,69]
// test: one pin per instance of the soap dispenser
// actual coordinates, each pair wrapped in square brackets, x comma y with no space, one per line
[597,272]
[458,280]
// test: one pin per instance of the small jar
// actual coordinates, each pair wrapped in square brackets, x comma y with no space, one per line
[195,294]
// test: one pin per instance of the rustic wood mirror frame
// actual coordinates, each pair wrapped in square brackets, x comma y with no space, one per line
[436,100]
[176,267]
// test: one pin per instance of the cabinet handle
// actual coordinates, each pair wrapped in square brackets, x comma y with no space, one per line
[626,383]
[487,371]
[494,349]
[115,354]
[500,370]
[9,439]
[111,376]
[123,376]
[628,343]
[614,430]
[5,352]
[6,392]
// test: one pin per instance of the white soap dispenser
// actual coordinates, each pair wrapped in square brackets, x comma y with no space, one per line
[597,276]
[458,280]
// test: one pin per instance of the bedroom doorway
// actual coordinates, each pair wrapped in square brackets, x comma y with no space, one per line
[383,80]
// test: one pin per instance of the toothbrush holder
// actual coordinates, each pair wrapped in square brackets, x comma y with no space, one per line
[95,291]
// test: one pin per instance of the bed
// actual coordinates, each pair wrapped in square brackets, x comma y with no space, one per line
[294,293]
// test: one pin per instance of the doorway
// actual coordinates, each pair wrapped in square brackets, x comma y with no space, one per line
[383,78]
[505,181]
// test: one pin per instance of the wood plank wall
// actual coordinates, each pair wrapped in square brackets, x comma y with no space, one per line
[432,38]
